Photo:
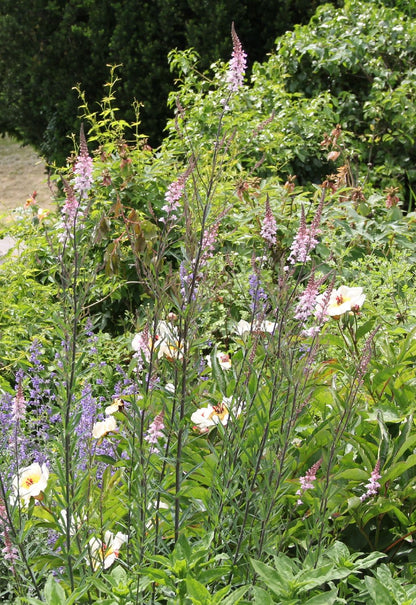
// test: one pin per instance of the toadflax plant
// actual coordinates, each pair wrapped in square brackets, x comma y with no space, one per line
[204,443]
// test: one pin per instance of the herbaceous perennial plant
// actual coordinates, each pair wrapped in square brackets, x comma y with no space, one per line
[202,458]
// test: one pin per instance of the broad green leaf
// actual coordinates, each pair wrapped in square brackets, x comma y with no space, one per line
[271,577]
[235,597]
[326,598]
[197,591]
[261,597]
[53,591]
[398,469]
[378,593]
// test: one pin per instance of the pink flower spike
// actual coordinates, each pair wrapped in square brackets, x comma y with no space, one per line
[83,169]
[19,404]
[307,481]
[269,225]
[174,193]
[155,431]
[373,485]
[238,64]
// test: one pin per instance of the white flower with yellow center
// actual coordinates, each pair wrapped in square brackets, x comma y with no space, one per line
[102,428]
[205,418]
[104,553]
[343,300]
[30,482]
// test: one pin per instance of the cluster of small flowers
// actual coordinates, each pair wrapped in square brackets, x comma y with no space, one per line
[256,291]
[307,481]
[304,242]
[373,484]
[155,432]
[140,345]
[174,193]
[83,169]
[307,300]
[269,225]
[238,64]
[70,207]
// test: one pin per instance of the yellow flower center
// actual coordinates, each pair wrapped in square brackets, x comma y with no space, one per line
[29,481]
[219,410]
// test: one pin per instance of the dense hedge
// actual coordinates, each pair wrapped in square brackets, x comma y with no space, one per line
[48,46]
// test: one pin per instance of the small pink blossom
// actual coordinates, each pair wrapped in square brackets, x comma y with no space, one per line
[174,193]
[71,205]
[306,237]
[307,299]
[304,242]
[9,551]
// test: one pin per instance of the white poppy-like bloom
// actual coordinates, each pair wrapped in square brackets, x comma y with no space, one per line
[343,300]
[205,418]
[170,350]
[116,406]
[244,326]
[101,428]
[104,553]
[224,360]
[30,482]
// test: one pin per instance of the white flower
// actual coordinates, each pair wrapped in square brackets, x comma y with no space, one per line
[343,300]
[30,482]
[170,350]
[100,429]
[206,418]
[244,326]
[224,360]
[105,553]
[116,406]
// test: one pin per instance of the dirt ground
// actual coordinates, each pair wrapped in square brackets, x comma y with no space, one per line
[22,172]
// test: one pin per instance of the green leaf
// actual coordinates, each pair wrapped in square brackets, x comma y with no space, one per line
[272,578]
[325,598]
[399,468]
[53,591]
[235,597]
[218,373]
[261,597]
[378,593]
[197,592]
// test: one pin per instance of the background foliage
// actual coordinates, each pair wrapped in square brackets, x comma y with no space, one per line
[47,47]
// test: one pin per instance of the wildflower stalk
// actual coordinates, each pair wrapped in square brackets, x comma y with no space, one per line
[340,429]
